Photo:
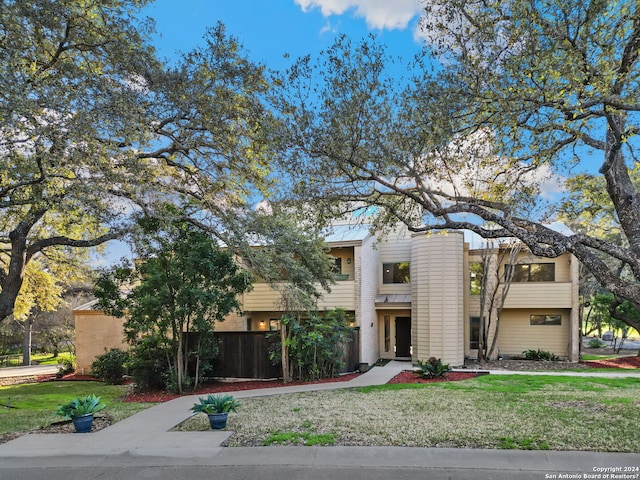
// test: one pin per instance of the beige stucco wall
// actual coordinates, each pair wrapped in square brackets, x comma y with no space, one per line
[516,334]
[96,333]
[437,296]
[232,323]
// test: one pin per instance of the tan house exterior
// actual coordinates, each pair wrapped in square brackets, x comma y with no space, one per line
[96,333]
[411,299]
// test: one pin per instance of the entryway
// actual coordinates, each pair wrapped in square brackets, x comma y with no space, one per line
[403,337]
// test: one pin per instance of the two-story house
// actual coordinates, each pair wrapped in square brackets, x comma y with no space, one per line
[413,296]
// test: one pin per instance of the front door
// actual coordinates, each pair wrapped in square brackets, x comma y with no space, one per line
[403,336]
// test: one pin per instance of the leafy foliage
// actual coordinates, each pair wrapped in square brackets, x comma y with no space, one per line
[432,368]
[182,284]
[67,366]
[595,343]
[94,126]
[540,355]
[533,93]
[216,404]
[315,344]
[111,366]
[80,406]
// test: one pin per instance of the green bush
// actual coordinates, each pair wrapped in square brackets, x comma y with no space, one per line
[67,366]
[316,344]
[432,368]
[595,343]
[540,355]
[111,366]
[149,366]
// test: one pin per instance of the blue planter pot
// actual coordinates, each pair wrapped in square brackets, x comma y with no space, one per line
[218,420]
[83,424]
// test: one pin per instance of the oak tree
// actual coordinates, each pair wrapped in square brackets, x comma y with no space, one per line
[93,127]
[506,96]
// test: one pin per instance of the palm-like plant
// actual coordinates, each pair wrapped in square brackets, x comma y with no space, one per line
[216,404]
[80,406]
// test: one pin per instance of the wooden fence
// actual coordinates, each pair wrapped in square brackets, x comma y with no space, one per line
[246,355]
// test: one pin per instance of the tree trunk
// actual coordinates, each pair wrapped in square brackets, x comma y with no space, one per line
[284,352]
[179,363]
[26,349]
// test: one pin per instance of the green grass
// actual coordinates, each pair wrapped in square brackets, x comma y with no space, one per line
[307,439]
[35,403]
[598,357]
[518,384]
[41,358]
[493,411]
[49,359]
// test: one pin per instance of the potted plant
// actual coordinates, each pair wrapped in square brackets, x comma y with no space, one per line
[217,407]
[80,410]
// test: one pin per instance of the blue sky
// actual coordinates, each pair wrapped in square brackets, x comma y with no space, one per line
[269,29]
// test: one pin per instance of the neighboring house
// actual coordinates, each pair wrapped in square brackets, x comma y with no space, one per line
[412,297]
[96,333]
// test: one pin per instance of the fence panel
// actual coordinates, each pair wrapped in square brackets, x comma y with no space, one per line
[246,355]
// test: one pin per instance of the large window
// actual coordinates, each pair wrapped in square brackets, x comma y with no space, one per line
[532,272]
[395,272]
[545,320]
[476,273]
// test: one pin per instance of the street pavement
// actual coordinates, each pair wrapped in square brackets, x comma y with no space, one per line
[143,447]
[28,371]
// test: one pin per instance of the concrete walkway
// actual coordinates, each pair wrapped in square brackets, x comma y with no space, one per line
[144,440]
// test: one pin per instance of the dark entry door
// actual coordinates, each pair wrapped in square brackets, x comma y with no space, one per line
[403,336]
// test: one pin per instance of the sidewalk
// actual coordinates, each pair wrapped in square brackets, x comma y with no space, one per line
[145,439]
[147,432]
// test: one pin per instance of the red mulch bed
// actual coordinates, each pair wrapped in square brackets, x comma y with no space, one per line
[219,387]
[621,362]
[410,377]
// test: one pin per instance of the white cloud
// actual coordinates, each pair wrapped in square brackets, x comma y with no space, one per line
[379,14]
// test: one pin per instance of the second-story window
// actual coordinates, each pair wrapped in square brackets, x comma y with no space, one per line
[476,274]
[533,272]
[396,272]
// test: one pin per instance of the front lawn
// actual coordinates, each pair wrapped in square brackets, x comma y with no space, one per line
[33,405]
[511,411]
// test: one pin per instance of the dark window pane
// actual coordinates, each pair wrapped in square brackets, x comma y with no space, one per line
[532,272]
[395,272]
[476,273]
[474,332]
[545,319]
[542,272]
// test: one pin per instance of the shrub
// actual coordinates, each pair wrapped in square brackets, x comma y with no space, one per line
[149,366]
[540,355]
[111,366]
[595,343]
[67,366]
[432,368]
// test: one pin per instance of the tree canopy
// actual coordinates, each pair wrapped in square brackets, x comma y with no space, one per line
[182,284]
[95,127]
[519,93]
